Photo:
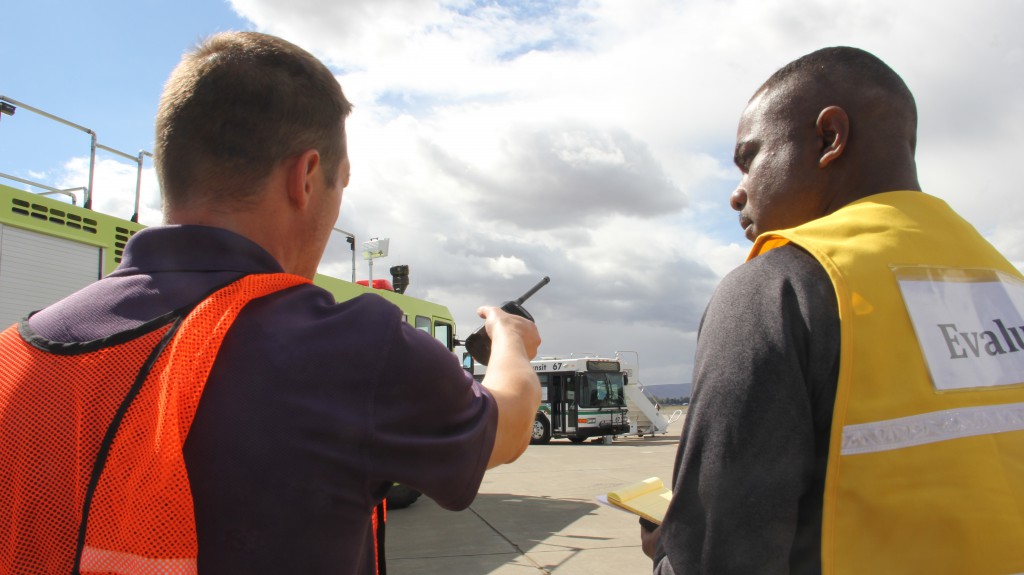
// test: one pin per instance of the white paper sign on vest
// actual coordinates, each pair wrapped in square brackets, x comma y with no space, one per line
[969,324]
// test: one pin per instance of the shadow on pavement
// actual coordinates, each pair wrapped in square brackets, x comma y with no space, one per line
[498,529]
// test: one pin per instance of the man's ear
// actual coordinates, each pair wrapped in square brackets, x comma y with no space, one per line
[302,177]
[833,127]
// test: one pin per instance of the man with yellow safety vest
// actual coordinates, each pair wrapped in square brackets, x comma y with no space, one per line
[858,403]
[205,408]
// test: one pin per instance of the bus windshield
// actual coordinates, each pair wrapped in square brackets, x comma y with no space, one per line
[601,390]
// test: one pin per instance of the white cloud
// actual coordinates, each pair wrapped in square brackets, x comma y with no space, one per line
[591,141]
[113,188]
[507,267]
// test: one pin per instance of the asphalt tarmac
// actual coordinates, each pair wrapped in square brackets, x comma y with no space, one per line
[538,515]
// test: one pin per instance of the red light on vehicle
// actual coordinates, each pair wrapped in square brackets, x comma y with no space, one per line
[377,284]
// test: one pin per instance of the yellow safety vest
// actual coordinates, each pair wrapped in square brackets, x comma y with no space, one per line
[918,480]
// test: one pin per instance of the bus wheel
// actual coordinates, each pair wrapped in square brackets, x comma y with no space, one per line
[577,438]
[541,431]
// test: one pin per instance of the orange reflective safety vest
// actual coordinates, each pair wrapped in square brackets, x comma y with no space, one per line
[925,471]
[93,478]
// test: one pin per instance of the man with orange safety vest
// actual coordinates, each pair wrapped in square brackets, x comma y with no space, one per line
[205,408]
[857,404]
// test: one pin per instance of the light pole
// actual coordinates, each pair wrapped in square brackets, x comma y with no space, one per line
[375,248]
[351,239]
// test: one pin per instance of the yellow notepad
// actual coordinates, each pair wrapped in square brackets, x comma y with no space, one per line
[648,499]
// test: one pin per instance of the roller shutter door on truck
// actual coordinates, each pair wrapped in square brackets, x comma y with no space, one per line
[37,270]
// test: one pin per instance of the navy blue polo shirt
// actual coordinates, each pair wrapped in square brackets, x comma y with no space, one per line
[313,408]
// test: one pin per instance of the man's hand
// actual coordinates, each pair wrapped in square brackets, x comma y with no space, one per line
[500,324]
[649,537]
[511,380]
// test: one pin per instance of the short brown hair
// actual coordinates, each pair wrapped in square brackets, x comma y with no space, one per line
[237,105]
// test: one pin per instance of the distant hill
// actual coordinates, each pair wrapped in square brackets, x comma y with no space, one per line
[670,391]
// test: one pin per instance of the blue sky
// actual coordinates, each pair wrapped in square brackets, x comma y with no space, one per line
[99,64]
[495,142]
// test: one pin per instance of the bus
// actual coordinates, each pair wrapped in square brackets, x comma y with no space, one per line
[581,398]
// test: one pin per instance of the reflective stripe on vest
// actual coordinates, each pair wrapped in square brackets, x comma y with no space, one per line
[91,436]
[95,560]
[918,481]
[931,428]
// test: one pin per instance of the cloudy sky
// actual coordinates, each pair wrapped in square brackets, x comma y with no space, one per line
[496,142]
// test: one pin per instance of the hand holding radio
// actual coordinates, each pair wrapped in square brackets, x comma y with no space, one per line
[478,344]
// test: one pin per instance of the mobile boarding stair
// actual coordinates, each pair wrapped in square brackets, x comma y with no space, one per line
[644,412]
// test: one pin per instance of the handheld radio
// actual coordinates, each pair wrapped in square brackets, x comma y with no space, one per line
[478,344]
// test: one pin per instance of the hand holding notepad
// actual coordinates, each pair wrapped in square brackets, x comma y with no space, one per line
[648,499]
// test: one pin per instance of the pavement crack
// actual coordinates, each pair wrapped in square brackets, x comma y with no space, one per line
[512,544]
